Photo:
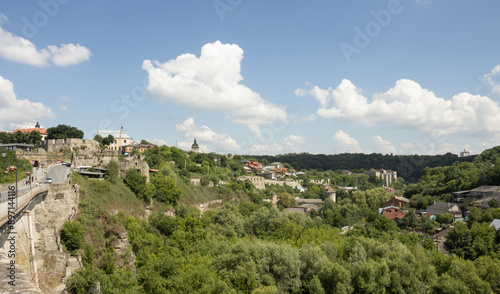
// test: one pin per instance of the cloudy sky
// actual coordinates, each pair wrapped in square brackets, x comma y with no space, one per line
[258,77]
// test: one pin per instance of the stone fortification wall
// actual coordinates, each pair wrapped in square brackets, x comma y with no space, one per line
[139,165]
[54,145]
[39,155]
[260,182]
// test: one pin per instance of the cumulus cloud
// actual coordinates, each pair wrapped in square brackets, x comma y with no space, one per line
[63,108]
[408,105]
[211,82]
[17,111]
[383,146]
[65,98]
[344,143]
[265,149]
[69,54]
[205,135]
[21,50]
[159,142]
[294,143]
[493,78]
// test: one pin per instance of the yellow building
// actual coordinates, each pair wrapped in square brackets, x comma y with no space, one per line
[121,139]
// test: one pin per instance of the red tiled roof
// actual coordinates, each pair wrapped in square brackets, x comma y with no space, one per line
[42,131]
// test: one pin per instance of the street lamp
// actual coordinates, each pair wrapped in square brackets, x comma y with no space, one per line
[4,155]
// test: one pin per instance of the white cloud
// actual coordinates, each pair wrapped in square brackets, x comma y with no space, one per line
[204,135]
[69,54]
[21,50]
[65,98]
[63,108]
[159,142]
[344,143]
[294,143]
[310,118]
[408,105]
[254,129]
[3,18]
[265,149]
[383,146]
[16,111]
[444,148]
[492,77]
[211,82]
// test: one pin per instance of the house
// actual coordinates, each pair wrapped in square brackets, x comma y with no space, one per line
[37,128]
[347,172]
[393,212]
[135,146]
[483,203]
[495,224]
[483,191]
[460,195]
[255,166]
[445,207]
[397,201]
[120,138]
[270,175]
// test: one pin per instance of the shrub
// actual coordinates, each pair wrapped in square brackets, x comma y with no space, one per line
[72,235]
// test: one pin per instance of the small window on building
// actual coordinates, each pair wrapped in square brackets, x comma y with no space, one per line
[124,141]
[115,141]
[388,210]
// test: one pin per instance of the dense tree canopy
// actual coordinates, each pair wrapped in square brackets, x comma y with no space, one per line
[64,132]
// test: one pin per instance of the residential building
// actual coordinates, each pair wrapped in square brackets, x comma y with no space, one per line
[445,207]
[120,138]
[393,212]
[135,146]
[397,201]
[387,176]
[483,203]
[483,191]
[37,128]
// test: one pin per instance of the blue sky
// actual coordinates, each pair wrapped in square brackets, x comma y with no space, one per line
[258,77]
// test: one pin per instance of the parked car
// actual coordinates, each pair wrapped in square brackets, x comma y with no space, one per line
[48,180]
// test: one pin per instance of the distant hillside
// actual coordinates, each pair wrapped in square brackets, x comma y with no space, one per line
[410,167]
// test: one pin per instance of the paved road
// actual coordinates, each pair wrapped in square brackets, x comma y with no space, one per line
[58,173]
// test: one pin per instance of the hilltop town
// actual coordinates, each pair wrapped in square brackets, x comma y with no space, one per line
[133,209]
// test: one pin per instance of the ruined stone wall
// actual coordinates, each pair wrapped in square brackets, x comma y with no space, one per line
[54,145]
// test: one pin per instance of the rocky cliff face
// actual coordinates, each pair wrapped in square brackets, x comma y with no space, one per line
[54,266]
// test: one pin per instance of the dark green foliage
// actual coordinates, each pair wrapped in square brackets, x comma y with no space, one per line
[112,173]
[64,132]
[165,189]
[410,167]
[72,235]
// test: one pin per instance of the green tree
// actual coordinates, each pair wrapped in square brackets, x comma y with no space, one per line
[112,173]
[444,218]
[72,235]
[34,138]
[64,132]
[165,189]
